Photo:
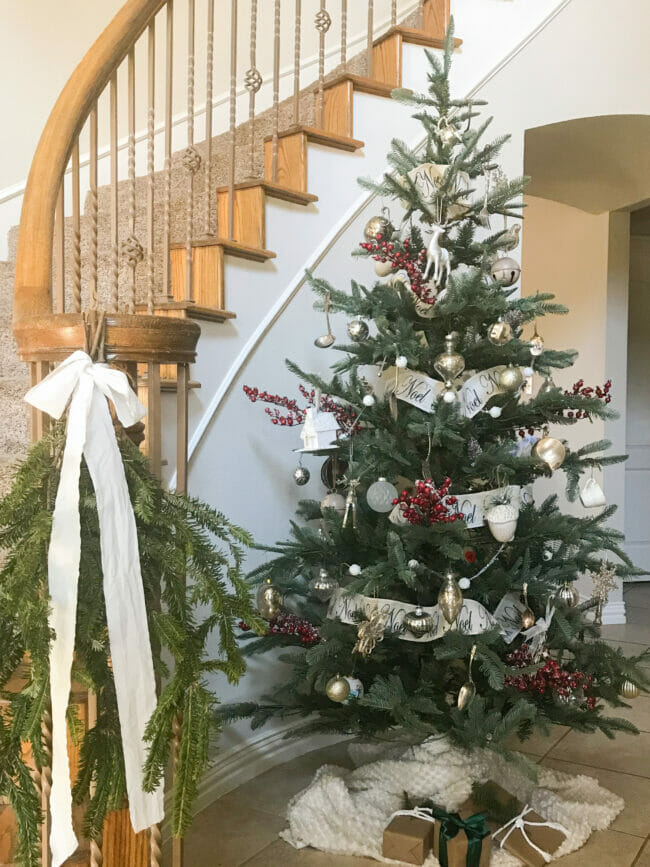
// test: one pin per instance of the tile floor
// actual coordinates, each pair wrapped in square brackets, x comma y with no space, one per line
[242,827]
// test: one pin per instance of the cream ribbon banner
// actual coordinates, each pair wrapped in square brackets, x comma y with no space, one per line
[90,433]
[472,620]
[474,506]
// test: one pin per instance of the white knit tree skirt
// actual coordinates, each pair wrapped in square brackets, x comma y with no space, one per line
[344,812]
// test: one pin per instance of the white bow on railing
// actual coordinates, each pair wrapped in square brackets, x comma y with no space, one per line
[519,824]
[90,432]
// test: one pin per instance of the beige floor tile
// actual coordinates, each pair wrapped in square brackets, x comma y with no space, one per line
[633,632]
[638,712]
[280,853]
[271,791]
[637,615]
[644,857]
[538,744]
[604,849]
[628,754]
[635,791]
[637,593]
[628,648]
[224,835]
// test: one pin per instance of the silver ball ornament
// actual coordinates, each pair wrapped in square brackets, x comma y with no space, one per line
[547,386]
[333,501]
[629,690]
[418,622]
[301,476]
[568,594]
[380,495]
[269,601]
[358,330]
[323,585]
[506,271]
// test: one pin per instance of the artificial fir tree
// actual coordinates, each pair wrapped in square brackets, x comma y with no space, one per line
[476,632]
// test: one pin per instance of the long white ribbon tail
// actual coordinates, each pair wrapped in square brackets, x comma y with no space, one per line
[519,823]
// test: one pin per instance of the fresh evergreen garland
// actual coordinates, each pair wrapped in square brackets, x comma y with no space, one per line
[191,561]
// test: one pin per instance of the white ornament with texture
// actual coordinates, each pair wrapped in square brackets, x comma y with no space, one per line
[380,495]
[502,521]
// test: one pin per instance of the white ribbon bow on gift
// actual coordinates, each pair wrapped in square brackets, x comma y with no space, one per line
[519,824]
[90,433]
[425,813]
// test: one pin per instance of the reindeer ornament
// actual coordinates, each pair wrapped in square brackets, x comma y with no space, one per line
[437,256]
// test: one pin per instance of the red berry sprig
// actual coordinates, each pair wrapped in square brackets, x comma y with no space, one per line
[290,624]
[408,259]
[429,504]
[549,679]
[345,414]
[579,388]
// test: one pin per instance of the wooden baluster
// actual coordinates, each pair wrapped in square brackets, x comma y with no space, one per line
[115,252]
[344,32]
[131,247]
[323,23]
[208,120]
[59,250]
[296,62]
[169,99]
[38,421]
[96,854]
[371,29]
[191,157]
[276,91]
[76,231]
[93,212]
[151,133]
[252,82]
[233,117]
[153,421]
[393,13]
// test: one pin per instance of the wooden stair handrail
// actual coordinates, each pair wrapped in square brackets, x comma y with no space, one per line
[34,254]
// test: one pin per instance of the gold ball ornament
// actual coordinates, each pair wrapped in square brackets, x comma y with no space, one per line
[568,594]
[500,333]
[629,690]
[511,378]
[269,601]
[449,364]
[378,226]
[450,598]
[551,451]
[337,689]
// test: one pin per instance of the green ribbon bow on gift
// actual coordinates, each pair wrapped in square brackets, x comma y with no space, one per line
[451,824]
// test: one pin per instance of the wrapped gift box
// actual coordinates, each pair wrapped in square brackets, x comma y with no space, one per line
[408,839]
[462,839]
[528,836]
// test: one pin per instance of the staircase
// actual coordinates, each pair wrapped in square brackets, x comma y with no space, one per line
[152,248]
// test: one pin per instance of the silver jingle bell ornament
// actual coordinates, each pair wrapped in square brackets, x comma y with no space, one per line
[500,333]
[629,690]
[418,622]
[337,689]
[506,271]
[379,225]
[323,585]
[380,495]
[568,594]
[511,378]
[269,601]
[450,598]
[550,450]
[449,364]
[357,330]
[301,475]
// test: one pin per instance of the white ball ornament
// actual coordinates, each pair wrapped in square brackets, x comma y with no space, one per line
[354,569]
[464,583]
[368,400]
[449,395]
[380,495]
[401,361]
[413,564]
[502,521]
[495,411]
[333,501]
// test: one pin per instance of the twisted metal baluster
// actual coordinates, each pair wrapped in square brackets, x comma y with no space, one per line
[371,29]
[252,82]
[344,32]
[96,854]
[393,13]
[323,24]
[169,98]
[46,786]
[151,132]
[76,231]
[296,61]
[233,116]
[131,247]
[115,252]
[93,211]
[191,157]
[276,90]
[208,120]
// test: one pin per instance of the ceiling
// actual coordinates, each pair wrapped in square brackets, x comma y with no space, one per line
[596,164]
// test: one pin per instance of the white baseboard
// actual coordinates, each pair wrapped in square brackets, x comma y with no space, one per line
[614,613]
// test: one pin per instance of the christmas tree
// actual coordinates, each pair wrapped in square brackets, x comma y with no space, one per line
[429,593]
